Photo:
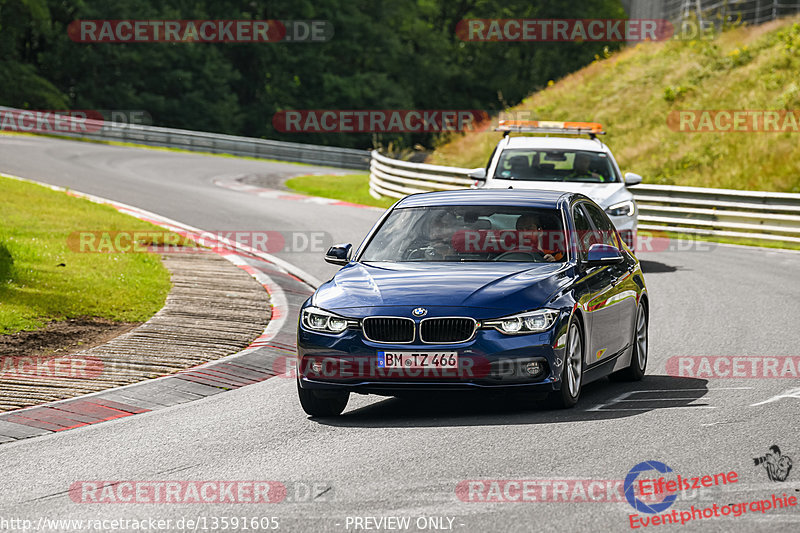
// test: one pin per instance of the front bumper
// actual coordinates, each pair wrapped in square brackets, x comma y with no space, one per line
[490,361]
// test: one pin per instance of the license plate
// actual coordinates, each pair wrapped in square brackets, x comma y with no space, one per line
[418,359]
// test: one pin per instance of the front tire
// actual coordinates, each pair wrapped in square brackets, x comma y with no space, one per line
[572,374]
[635,371]
[322,403]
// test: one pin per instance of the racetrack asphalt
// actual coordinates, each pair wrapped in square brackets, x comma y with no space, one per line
[389,457]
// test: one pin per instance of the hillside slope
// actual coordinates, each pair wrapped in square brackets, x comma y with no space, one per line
[633,92]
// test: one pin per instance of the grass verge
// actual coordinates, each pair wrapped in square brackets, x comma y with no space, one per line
[42,280]
[349,188]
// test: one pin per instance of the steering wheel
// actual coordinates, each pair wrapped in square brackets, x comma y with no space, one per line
[537,257]
[422,253]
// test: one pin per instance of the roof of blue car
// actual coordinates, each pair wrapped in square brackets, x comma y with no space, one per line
[505,197]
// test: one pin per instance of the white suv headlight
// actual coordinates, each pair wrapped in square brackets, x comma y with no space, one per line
[317,319]
[622,209]
[531,322]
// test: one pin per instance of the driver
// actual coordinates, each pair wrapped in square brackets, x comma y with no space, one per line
[531,223]
[580,169]
[442,229]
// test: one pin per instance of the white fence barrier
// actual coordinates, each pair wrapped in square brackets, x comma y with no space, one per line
[199,141]
[691,210]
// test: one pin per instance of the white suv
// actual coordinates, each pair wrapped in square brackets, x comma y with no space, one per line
[563,164]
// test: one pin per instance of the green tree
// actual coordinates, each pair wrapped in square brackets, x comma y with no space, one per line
[385,54]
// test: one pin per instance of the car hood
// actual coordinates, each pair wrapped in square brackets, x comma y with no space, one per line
[604,194]
[499,287]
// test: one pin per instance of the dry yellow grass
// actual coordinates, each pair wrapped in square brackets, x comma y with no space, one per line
[632,92]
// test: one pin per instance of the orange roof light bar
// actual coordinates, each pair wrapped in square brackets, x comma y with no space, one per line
[545,126]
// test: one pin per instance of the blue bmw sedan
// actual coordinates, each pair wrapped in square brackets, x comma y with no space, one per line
[512,290]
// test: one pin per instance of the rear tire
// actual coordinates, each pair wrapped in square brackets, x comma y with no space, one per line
[572,374]
[322,403]
[635,371]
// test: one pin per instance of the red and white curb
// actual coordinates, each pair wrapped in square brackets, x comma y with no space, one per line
[230,372]
[279,304]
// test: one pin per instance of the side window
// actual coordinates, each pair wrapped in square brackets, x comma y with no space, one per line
[583,230]
[607,233]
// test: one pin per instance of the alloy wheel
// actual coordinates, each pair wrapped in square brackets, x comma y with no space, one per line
[574,361]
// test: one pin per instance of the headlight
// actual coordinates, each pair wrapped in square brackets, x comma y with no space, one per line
[317,319]
[532,322]
[622,209]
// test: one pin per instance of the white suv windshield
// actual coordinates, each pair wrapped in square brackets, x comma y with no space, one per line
[555,165]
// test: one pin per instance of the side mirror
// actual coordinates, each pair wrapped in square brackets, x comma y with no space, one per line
[632,179]
[603,254]
[478,176]
[339,254]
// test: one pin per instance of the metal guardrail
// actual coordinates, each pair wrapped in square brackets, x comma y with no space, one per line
[396,179]
[212,142]
[690,210]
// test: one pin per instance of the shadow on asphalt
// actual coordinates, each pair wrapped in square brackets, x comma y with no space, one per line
[601,400]
[654,267]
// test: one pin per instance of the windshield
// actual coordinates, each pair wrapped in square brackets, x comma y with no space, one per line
[469,233]
[555,165]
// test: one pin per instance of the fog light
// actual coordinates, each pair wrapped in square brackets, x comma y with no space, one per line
[533,369]
[316,367]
